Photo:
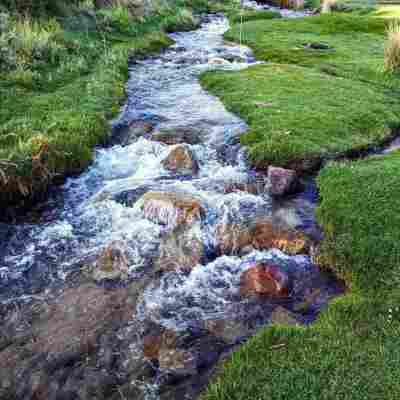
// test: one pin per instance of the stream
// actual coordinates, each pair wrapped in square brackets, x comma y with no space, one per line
[130,282]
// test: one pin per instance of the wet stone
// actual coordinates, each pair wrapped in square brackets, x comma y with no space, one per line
[171,209]
[179,134]
[182,249]
[282,181]
[264,279]
[112,263]
[181,160]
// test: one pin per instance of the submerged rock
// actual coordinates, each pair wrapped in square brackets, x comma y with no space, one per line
[261,234]
[264,279]
[128,134]
[181,249]
[181,160]
[282,181]
[171,208]
[112,263]
[178,135]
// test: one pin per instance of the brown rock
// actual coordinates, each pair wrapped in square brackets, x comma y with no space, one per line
[181,160]
[112,263]
[266,235]
[181,249]
[179,361]
[172,209]
[264,280]
[282,181]
[151,346]
[262,234]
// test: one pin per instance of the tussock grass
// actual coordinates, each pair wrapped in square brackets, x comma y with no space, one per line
[392,47]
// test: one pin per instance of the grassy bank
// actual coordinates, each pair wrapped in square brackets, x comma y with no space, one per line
[352,351]
[61,79]
[326,102]
[324,91]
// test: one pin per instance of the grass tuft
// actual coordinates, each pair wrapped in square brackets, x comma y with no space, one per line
[392,47]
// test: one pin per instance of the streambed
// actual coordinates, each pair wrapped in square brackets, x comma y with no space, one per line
[130,282]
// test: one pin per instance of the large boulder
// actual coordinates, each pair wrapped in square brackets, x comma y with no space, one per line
[171,208]
[264,279]
[181,160]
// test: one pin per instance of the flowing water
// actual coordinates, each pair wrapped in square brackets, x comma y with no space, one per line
[103,206]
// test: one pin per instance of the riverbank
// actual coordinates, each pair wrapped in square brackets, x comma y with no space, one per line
[62,79]
[346,101]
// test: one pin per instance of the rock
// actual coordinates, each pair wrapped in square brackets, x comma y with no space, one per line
[262,234]
[177,361]
[264,280]
[171,208]
[267,235]
[126,135]
[181,249]
[231,238]
[179,134]
[181,160]
[218,61]
[282,181]
[318,46]
[230,331]
[283,317]
[112,263]
[183,353]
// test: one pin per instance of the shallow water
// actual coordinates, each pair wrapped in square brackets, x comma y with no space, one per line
[103,206]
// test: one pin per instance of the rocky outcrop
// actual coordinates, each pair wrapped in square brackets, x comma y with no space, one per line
[181,160]
[171,208]
[264,279]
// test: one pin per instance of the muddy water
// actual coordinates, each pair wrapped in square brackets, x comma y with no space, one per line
[48,265]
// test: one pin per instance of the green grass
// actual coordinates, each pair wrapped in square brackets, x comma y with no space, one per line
[61,80]
[251,15]
[353,351]
[308,104]
[297,113]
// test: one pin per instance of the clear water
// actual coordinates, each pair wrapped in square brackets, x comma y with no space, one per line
[87,215]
